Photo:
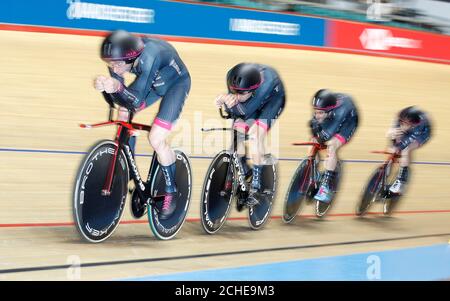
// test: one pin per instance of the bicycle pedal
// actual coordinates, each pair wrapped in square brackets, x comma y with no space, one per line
[240,205]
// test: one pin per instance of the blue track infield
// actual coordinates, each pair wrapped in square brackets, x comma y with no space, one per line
[419,264]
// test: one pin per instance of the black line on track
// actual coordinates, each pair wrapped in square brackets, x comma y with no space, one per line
[158,259]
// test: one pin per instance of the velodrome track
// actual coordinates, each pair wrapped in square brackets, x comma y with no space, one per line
[46,83]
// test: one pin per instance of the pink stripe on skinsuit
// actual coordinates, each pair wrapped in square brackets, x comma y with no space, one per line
[164,124]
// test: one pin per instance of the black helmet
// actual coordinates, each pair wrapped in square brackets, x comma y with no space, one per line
[324,100]
[411,115]
[120,45]
[244,77]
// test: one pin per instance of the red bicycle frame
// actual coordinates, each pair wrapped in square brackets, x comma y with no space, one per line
[316,147]
[124,131]
[392,157]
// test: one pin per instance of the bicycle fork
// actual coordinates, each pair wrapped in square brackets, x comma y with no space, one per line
[308,184]
[106,191]
[229,178]
[236,164]
[307,175]
[121,142]
[228,184]
[382,180]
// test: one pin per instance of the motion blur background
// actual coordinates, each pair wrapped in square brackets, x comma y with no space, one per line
[426,15]
[386,54]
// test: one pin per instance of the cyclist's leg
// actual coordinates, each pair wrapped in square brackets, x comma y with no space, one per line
[123,114]
[333,145]
[242,126]
[404,161]
[403,173]
[169,110]
[258,132]
[407,152]
[324,193]
[342,137]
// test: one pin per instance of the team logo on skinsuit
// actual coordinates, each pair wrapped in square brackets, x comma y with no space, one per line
[383,39]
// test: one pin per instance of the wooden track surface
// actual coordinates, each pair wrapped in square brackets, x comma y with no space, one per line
[46,84]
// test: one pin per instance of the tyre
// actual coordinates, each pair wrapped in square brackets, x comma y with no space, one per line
[215,202]
[168,228]
[371,191]
[258,215]
[97,216]
[297,190]
[321,207]
[391,202]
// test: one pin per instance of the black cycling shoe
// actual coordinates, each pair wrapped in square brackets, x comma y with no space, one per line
[253,198]
[169,204]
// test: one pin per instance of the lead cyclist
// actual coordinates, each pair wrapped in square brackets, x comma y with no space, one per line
[160,74]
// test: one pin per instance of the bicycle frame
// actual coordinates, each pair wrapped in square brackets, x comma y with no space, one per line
[123,134]
[235,162]
[391,159]
[316,147]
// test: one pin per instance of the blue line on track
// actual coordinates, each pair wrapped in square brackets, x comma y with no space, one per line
[419,263]
[199,157]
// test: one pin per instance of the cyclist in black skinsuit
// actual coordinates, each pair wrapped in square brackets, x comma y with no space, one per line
[255,99]
[411,130]
[160,74]
[334,123]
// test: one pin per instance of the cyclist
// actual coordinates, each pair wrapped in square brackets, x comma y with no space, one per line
[255,99]
[334,123]
[160,73]
[411,130]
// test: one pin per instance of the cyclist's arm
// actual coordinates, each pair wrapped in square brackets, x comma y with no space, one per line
[393,134]
[407,139]
[230,112]
[256,102]
[329,128]
[116,76]
[133,97]
[227,109]
[108,98]
[315,127]
[238,110]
